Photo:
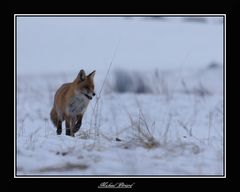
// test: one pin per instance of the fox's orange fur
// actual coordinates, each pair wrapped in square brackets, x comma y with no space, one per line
[71,101]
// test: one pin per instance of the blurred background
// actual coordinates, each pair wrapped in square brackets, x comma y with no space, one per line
[67,44]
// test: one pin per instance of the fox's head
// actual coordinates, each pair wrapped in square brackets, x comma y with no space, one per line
[85,83]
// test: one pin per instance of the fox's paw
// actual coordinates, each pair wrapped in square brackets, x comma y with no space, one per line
[68,132]
[59,131]
[76,130]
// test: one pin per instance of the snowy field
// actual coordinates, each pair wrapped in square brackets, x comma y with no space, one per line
[161,109]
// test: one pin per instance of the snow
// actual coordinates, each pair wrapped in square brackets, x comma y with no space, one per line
[174,129]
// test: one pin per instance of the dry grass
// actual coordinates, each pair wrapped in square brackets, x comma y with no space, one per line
[198,90]
[141,134]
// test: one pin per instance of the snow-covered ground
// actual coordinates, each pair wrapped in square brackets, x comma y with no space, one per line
[174,126]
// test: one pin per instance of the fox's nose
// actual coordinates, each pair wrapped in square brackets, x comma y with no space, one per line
[93,94]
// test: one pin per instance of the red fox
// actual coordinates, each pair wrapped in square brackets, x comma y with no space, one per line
[71,101]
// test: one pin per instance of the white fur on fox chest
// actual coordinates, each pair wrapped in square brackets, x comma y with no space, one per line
[78,104]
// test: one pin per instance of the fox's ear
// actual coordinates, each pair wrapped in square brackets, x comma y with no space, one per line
[91,75]
[82,75]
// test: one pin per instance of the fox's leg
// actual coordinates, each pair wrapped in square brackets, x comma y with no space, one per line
[59,127]
[67,125]
[78,124]
[71,127]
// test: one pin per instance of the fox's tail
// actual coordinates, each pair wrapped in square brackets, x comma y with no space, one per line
[54,117]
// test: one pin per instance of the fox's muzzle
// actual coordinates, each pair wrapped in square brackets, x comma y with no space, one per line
[88,96]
